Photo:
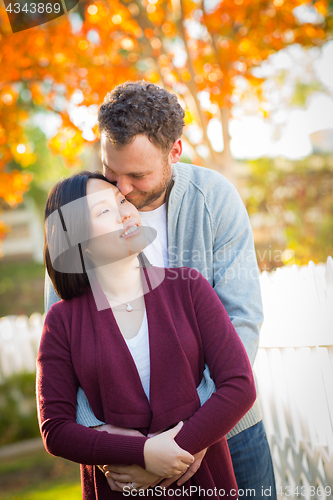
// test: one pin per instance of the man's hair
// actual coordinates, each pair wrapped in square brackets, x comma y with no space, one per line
[134,108]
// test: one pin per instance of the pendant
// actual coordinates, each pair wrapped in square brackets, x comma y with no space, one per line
[129,308]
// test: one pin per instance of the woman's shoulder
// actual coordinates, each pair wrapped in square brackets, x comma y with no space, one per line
[64,308]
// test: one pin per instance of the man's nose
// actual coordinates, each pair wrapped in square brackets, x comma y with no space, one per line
[124,185]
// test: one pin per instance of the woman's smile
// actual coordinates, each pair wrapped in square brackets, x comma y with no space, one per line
[131,230]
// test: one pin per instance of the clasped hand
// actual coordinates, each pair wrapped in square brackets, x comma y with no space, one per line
[174,463]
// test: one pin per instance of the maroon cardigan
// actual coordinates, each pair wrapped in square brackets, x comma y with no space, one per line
[188,326]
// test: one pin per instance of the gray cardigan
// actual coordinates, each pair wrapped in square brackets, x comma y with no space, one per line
[209,230]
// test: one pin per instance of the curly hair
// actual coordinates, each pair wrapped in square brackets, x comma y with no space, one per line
[134,108]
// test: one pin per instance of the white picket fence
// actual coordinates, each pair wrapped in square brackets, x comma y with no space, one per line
[19,341]
[294,369]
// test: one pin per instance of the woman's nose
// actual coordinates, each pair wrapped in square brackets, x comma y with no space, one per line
[124,214]
[119,218]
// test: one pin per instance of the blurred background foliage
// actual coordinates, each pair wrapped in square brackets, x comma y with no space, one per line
[294,200]
[18,415]
[21,287]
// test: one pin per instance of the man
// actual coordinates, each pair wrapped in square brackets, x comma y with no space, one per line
[201,223]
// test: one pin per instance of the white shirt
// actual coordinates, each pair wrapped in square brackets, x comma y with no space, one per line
[139,348]
[157,251]
[157,254]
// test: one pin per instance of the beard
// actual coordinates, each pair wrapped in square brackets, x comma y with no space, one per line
[145,198]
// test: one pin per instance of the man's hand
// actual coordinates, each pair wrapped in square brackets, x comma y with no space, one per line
[120,476]
[112,429]
[182,478]
[134,474]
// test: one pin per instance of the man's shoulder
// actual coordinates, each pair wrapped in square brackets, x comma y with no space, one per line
[217,192]
[202,178]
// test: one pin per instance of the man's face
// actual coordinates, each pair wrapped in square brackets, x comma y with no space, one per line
[140,170]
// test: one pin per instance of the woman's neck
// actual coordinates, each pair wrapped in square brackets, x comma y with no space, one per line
[120,280]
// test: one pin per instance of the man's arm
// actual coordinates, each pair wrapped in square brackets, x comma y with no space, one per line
[235,269]
[233,272]
[50,296]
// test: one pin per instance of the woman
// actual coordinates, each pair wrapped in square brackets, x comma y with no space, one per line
[110,303]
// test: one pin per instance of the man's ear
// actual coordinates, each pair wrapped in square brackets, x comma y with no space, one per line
[176,151]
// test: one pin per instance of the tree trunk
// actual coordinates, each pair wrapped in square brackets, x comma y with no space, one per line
[224,162]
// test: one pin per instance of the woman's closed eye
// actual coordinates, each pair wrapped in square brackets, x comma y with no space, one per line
[104,211]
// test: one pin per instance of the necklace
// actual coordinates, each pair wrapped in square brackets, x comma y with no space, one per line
[129,308]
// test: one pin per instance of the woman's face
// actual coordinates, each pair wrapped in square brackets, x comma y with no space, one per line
[115,226]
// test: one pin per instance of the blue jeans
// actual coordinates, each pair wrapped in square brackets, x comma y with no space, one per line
[252,461]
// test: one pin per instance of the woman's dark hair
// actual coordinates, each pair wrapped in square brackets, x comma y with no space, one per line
[67,232]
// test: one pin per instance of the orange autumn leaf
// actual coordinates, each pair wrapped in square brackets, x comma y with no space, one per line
[13,185]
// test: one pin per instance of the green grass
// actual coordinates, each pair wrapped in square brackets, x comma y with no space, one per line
[21,287]
[71,492]
[39,476]
[64,492]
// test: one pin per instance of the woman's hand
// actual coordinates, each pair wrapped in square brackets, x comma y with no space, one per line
[163,456]
[121,476]
[182,478]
